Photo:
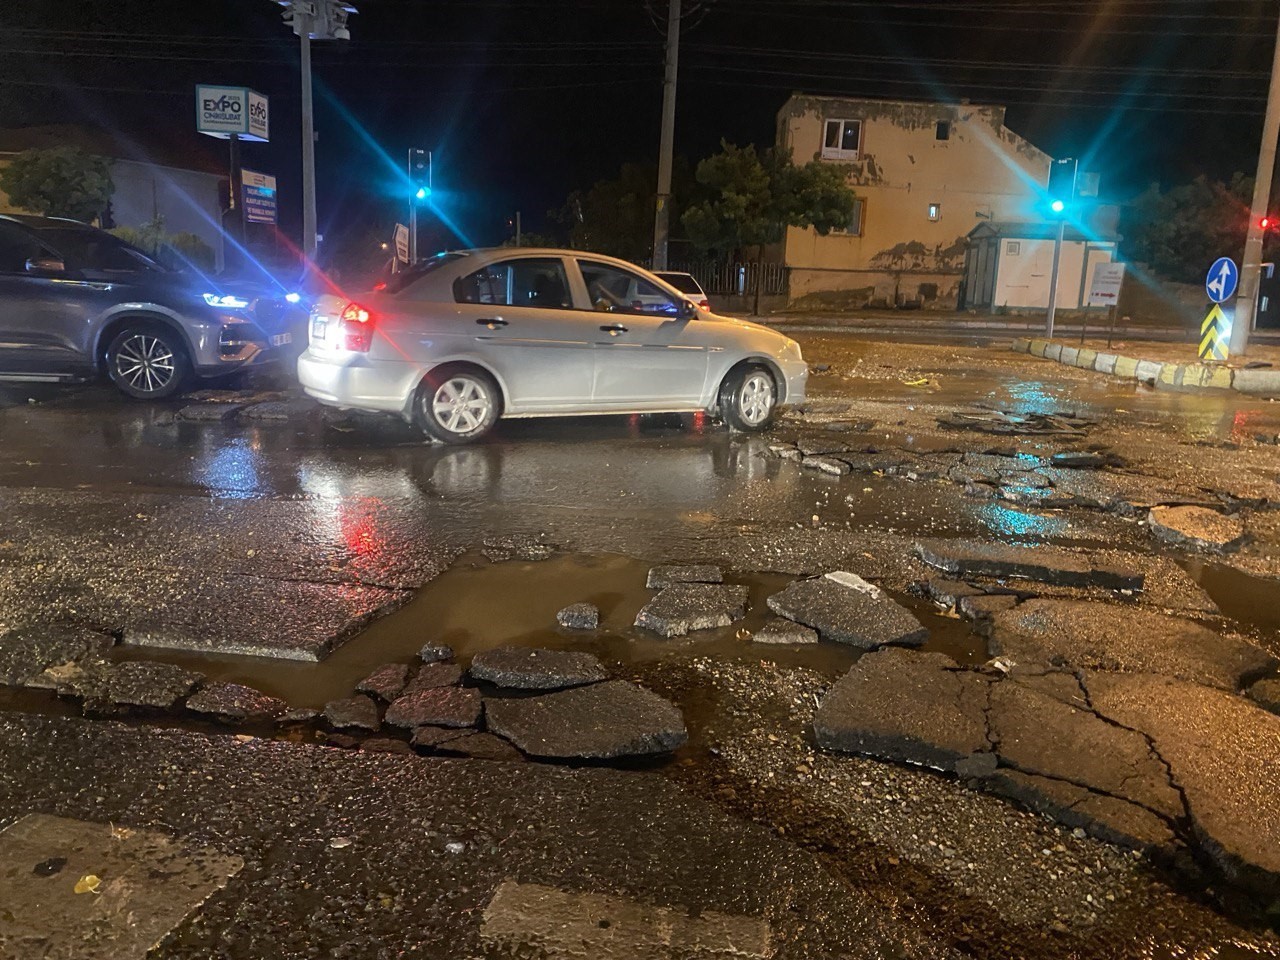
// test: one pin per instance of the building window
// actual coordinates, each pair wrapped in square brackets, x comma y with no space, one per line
[1013,248]
[842,140]
[943,130]
[935,212]
[854,226]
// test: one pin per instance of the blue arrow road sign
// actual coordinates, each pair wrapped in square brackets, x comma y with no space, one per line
[1222,279]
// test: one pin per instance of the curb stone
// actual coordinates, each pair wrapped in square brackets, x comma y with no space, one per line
[1181,376]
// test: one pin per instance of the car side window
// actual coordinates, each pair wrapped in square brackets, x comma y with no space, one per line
[614,290]
[16,248]
[531,282]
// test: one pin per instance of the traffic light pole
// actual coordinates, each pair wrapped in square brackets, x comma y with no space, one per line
[1251,263]
[1057,249]
[413,215]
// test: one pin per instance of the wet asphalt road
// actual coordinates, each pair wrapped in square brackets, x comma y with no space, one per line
[289,538]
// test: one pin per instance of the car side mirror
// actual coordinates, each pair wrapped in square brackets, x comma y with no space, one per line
[45,265]
[688,310]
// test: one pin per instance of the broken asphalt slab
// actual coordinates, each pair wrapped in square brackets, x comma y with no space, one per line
[95,891]
[844,608]
[235,703]
[25,654]
[1089,635]
[911,707]
[666,575]
[1223,752]
[685,607]
[353,853]
[597,722]
[532,668]
[437,707]
[102,684]
[1052,565]
[1196,528]
[1141,759]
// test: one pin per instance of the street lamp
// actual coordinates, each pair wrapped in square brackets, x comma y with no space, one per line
[1063,192]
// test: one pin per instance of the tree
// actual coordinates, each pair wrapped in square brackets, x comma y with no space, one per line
[178,250]
[749,200]
[615,216]
[59,182]
[1178,233]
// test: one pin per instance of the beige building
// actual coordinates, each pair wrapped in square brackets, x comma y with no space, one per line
[925,175]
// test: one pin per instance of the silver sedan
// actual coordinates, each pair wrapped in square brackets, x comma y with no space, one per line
[467,338]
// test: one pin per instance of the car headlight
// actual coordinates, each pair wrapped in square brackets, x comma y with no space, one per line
[225,300]
[293,297]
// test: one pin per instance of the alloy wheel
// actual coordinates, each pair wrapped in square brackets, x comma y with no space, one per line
[461,404]
[756,398]
[145,363]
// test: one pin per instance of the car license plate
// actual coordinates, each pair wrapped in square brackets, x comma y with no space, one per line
[280,339]
[317,328]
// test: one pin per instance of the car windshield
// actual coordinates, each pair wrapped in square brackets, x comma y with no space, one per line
[96,252]
[682,282]
[402,281]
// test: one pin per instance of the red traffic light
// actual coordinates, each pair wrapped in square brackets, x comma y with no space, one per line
[1265,223]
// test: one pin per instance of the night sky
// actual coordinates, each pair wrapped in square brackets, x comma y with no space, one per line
[523,101]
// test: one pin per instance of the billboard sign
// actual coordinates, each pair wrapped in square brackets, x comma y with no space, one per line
[223,111]
[259,196]
[1104,290]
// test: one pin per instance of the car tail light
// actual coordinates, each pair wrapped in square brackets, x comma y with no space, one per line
[357,328]
[704,303]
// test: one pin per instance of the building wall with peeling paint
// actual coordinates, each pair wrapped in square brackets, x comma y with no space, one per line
[981,171]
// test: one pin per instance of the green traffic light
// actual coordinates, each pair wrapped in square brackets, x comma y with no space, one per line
[1057,206]
[423,193]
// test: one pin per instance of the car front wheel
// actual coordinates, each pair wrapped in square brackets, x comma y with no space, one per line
[748,398]
[459,405]
[148,361]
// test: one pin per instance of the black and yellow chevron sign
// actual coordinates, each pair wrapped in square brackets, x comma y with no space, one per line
[1215,334]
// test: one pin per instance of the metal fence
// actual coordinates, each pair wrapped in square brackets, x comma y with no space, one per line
[735,279]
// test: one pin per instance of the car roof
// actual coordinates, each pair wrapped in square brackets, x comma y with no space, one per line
[33,222]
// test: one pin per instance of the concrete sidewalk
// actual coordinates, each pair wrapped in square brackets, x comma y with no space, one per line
[1169,366]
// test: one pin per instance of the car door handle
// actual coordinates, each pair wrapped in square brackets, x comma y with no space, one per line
[492,322]
[613,328]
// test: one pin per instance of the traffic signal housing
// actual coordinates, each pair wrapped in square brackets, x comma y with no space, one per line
[420,174]
[1062,186]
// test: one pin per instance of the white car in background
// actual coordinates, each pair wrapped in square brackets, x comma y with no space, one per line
[466,338]
[687,284]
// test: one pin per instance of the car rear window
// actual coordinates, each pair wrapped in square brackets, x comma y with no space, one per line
[682,282]
[402,282]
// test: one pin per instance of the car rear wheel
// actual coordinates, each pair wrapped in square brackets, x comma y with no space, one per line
[748,398]
[148,361]
[458,405]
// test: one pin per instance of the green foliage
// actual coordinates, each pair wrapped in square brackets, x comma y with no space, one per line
[532,240]
[179,250]
[615,217]
[1181,231]
[59,182]
[191,250]
[746,199]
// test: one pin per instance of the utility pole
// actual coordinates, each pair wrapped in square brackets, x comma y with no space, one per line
[318,20]
[1251,263]
[304,25]
[518,230]
[662,213]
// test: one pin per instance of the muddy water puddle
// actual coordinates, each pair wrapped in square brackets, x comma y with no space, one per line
[476,605]
[1253,602]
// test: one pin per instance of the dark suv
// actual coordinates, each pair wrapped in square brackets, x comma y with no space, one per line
[76,301]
